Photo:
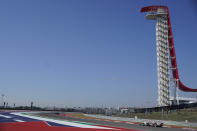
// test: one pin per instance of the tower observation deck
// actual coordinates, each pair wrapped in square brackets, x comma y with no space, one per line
[165,54]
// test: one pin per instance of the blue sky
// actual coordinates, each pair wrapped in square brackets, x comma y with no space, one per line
[89,52]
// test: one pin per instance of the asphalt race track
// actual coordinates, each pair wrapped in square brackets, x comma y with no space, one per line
[114,124]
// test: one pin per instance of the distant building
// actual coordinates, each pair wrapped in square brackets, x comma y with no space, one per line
[32,105]
[127,110]
[111,111]
[184,100]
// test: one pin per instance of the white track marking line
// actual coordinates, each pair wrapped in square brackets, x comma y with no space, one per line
[47,123]
[62,122]
[165,126]
[189,129]
[19,120]
[5,116]
[129,122]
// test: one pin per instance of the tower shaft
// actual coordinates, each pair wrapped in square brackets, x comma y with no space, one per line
[162,48]
[162,60]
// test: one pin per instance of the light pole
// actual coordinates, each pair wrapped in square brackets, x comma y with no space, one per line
[2,95]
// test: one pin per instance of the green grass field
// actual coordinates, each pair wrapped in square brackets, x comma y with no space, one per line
[181,115]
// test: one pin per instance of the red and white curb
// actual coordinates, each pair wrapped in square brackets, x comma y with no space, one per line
[61,122]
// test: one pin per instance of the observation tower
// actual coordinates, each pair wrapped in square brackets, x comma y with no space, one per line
[166,58]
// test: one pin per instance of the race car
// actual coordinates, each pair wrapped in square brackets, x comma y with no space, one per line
[152,123]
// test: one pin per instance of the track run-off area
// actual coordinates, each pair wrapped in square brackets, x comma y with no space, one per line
[25,121]
[50,121]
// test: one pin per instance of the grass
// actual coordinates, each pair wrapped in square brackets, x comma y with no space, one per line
[80,115]
[181,115]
